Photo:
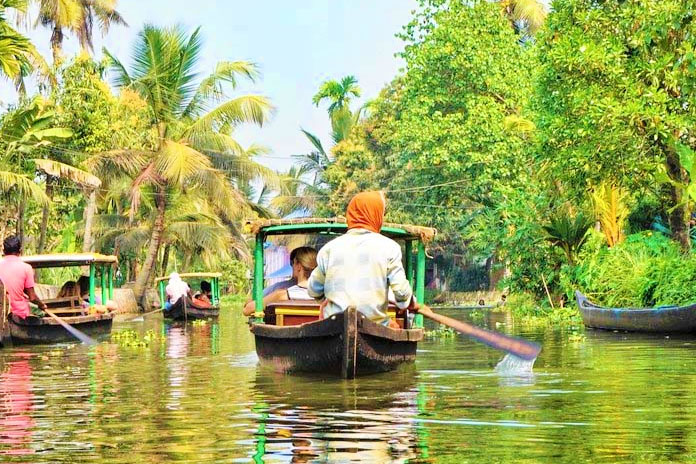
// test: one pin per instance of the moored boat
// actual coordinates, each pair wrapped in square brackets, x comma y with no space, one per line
[291,336]
[185,308]
[92,319]
[662,319]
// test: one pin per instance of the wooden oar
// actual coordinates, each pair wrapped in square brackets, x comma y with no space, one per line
[142,316]
[517,346]
[83,337]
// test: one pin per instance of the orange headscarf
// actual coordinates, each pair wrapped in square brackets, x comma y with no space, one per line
[366,211]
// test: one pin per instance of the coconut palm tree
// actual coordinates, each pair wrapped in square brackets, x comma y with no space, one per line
[18,56]
[339,93]
[26,132]
[78,17]
[526,16]
[194,122]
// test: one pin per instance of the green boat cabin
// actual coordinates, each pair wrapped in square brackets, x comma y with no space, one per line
[293,312]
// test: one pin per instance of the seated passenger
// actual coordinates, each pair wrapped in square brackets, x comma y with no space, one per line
[285,283]
[304,263]
[83,292]
[357,268]
[69,288]
[176,288]
[204,297]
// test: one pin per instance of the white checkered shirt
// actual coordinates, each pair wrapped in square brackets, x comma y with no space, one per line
[356,270]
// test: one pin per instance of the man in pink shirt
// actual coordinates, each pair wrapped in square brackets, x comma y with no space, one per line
[18,278]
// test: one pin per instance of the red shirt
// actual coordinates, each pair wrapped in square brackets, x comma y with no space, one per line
[17,275]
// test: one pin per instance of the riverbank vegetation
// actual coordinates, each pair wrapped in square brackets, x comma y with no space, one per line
[554,151]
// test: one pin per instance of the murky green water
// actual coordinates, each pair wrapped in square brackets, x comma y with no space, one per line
[198,396]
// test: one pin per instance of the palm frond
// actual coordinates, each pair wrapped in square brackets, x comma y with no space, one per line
[24,186]
[254,109]
[178,163]
[65,171]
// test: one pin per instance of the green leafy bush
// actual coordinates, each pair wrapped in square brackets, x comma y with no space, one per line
[647,269]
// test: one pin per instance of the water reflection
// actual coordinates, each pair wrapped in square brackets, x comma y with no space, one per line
[16,404]
[374,419]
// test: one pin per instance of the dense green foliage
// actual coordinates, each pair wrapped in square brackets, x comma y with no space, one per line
[548,150]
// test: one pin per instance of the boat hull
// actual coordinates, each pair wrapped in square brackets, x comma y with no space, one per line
[346,344]
[182,312]
[45,330]
[673,319]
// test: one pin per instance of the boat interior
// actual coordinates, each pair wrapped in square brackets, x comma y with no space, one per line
[296,312]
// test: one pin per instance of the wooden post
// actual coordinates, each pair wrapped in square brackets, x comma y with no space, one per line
[111,282]
[102,276]
[258,272]
[408,261]
[92,276]
[420,282]
[350,343]
[161,293]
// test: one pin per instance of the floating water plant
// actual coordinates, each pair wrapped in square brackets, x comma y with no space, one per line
[130,338]
[441,332]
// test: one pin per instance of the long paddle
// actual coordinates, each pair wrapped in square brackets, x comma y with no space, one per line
[83,337]
[140,317]
[517,346]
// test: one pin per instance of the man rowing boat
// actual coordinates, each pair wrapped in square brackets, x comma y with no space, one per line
[358,268]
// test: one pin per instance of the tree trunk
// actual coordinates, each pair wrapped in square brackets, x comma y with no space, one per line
[20,220]
[45,214]
[165,259]
[90,210]
[143,278]
[679,217]
[57,45]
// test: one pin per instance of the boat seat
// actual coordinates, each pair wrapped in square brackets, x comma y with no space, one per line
[296,312]
[69,305]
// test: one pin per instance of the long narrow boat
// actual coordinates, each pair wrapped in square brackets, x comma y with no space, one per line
[185,308]
[291,337]
[42,330]
[664,319]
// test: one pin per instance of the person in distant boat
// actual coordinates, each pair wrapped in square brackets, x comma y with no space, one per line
[304,262]
[69,288]
[176,288]
[203,298]
[83,292]
[18,279]
[358,268]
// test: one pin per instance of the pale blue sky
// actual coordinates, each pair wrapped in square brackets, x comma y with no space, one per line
[296,44]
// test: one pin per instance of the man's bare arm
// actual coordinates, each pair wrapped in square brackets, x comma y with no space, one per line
[34,298]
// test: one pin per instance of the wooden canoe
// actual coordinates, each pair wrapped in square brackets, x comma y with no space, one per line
[663,319]
[185,309]
[41,330]
[346,344]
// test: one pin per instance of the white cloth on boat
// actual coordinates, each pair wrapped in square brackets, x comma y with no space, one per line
[176,288]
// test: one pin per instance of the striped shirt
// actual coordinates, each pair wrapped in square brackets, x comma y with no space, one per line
[356,270]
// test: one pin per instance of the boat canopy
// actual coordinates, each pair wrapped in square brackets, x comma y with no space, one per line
[68,259]
[336,226]
[103,264]
[214,284]
[194,275]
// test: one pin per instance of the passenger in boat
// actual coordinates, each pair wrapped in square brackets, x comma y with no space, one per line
[176,288]
[358,268]
[204,297]
[83,292]
[285,283]
[18,279]
[69,288]
[304,263]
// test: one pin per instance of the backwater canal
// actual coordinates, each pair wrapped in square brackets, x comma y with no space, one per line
[196,394]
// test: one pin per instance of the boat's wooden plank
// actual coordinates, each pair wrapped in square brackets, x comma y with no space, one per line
[350,343]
